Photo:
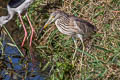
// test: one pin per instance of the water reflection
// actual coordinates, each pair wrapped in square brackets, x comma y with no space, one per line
[15,67]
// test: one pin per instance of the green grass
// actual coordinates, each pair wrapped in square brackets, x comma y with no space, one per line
[101,60]
[54,50]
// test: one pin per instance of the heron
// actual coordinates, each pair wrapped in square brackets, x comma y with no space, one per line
[18,6]
[72,26]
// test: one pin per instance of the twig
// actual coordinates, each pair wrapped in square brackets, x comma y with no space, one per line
[13,41]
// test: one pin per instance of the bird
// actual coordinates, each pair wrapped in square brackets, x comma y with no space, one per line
[72,26]
[18,6]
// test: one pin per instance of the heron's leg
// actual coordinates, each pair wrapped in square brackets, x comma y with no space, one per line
[81,38]
[32,29]
[75,42]
[24,30]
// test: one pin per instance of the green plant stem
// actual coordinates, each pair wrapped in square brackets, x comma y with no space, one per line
[13,41]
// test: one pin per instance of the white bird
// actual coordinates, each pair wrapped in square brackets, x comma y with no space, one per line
[18,6]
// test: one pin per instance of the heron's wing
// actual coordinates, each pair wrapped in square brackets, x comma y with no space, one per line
[85,27]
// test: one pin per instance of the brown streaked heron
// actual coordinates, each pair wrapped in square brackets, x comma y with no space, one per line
[72,26]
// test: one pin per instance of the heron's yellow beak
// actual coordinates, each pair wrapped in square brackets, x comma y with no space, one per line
[48,22]
[45,25]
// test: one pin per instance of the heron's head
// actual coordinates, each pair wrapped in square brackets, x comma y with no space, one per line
[53,17]
[4,20]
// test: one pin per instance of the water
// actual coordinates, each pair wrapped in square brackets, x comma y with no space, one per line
[16,67]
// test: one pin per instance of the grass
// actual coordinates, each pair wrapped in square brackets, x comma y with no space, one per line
[101,56]
[54,50]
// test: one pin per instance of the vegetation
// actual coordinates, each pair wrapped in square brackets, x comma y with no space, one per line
[54,51]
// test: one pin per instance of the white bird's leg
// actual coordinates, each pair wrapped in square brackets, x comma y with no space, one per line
[31,37]
[32,29]
[75,42]
[24,30]
[81,38]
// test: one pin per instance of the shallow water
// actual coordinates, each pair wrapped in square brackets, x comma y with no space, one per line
[14,66]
